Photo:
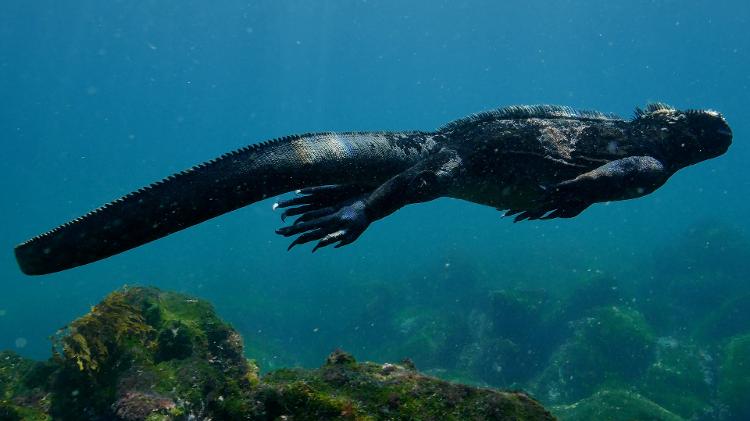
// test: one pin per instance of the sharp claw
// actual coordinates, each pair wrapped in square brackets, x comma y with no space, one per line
[303,200]
[552,215]
[303,226]
[296,211]
[538,214]
[530,215]
[307,237]
[319,213]
[512,212]
[326,213]
[345,241]
[286,231]
[319,189]
[329,239]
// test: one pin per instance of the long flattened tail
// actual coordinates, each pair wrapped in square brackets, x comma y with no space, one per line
[229,182]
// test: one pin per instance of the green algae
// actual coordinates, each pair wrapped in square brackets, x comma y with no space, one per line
[21,388]
[146,354]
[696,274]
[12,412]
[427,333]
[731,318]
[589,294]
[734,377]
[145,351]
[390,391]
[615,405]
[611,347]
[92,341]
[13,369]
[680,379]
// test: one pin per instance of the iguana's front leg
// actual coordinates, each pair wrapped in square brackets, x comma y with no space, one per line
[625,178]
[426,180]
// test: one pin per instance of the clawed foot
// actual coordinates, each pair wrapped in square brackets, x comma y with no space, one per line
[330,214]
[321,198]
[559,201]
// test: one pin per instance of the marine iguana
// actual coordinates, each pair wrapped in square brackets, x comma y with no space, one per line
[534,162]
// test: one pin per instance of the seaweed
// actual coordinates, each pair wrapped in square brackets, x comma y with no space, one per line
[734,377]
[146,354]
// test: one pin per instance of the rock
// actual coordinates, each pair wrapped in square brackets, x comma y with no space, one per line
[143,351]
[681,379]
[13,369]
[135,406]
[428,336]
[516,315]
[339,357]
[730,318]
[697,272]
[614,406]
[734,377]
[506,340]
[146,354]
[368,391]
[614,345]
[21,388]
[591,293]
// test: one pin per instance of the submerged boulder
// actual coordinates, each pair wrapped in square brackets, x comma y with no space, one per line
[146,354]
[22,395]
[694,274]
[613,345]
[730,318]
[681,379]
[734,378]
[427,335]
[345,389]
[617,405]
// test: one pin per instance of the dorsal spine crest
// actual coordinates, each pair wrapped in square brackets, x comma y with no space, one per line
[520,112]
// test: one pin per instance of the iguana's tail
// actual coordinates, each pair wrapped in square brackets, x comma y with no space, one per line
[215,187]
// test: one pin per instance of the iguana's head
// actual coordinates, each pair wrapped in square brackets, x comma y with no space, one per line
[684,137]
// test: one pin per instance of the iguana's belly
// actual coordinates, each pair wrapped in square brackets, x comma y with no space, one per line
[511,182]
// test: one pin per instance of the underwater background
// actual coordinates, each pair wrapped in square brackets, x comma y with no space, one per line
[648,296]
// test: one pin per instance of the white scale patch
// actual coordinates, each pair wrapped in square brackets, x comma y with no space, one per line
[315,149]
[340,146]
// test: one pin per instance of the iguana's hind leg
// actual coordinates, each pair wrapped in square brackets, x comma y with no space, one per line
[327,213]
[340,223]
[320,200]
[331,222]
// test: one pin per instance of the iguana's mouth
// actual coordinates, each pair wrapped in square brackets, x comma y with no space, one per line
[725,132]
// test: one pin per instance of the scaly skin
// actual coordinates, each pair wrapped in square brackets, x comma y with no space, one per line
[221,185]
[537,162]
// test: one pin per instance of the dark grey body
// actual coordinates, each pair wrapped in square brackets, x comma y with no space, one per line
[537,162]
[508,162]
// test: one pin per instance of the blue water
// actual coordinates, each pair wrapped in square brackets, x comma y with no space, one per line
[100,98]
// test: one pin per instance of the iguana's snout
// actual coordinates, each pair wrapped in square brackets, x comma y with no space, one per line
[712,132]
[688,137]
